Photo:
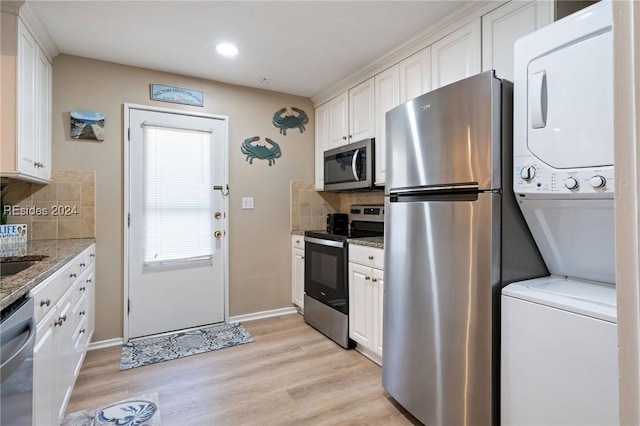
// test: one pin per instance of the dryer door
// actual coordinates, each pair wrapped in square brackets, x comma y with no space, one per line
[570,104]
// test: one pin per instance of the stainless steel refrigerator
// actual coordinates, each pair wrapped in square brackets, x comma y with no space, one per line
[454,236]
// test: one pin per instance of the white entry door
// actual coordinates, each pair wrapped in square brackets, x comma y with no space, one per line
[177,253]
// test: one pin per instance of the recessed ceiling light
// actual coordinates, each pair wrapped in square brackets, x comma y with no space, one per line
[227,49]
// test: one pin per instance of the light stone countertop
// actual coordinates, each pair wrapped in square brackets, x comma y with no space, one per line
[377,242]
[59,253]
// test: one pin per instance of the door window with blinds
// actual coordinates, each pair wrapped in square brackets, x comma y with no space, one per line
[177,194]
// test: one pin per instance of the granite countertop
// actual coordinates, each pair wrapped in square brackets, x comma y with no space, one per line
[377,242]
[59,253]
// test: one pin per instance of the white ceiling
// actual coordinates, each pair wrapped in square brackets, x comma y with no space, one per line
[300,47]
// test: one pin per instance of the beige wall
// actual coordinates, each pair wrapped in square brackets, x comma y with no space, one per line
[259,240]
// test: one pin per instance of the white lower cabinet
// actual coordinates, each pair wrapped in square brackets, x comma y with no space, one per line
[366,287]
[64,306]
[297,270]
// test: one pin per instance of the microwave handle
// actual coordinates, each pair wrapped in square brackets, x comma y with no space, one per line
[354,161]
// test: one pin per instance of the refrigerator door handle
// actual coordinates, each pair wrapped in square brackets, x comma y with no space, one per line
[354,162]
[460,192]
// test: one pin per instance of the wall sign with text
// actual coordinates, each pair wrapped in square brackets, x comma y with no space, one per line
[177,95]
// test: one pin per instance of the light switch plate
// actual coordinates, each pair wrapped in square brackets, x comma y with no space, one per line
[247,203]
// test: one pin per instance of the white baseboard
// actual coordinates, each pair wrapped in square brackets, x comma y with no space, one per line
[119,341]
[369,354]
[263,314]
[237,318]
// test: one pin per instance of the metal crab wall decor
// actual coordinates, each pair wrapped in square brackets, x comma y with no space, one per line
[291,121]
[262,152]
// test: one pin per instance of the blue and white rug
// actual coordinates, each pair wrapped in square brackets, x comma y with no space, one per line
[164,348]
[140,410]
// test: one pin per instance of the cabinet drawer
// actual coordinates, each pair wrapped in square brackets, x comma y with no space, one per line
[90,255]
[298,241]
[369,256]
[47,293]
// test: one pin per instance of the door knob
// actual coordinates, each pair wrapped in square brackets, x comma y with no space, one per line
[217,234]
[217,215]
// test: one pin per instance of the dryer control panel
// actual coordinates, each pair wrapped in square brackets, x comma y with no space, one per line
[531,176]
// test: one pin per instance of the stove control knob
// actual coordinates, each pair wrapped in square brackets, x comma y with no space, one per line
[598,181]
[527,173]
[571,183]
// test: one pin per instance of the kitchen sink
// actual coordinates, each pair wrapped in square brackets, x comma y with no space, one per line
[12,267]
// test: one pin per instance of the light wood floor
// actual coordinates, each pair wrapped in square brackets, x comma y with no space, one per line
[290,375]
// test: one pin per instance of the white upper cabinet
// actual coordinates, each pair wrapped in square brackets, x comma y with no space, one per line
[26,86]
[387,97]
[322,142]
[352,115]
[456,56]
[415,75]
[338,120]
[361,111]
[503,26]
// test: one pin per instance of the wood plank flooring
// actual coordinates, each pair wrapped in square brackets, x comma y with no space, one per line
[290,375]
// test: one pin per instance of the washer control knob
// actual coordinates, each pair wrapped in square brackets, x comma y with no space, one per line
[598,181]
[528,173]
[571,183]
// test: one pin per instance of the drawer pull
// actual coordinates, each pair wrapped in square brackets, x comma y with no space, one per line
[82,313]
[73,275]
[82,331]
[45,302]
[63,318]
[82,288]
[92,255]
[370,257]
[58,323]
[82,265]
[88,280]
[367,278]
[374,280]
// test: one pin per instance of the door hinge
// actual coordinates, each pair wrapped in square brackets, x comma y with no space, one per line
[128,305]
[128,220]
[129,134]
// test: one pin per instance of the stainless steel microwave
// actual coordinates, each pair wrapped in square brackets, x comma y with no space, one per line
[350,167]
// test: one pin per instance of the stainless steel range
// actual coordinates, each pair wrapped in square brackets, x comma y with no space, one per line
[326,283]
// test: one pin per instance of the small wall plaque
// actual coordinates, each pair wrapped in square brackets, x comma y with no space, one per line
[177,95]
[87,125]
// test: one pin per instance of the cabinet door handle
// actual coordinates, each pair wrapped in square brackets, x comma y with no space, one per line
[374,280]
[82,265]
[92,255]
[302,258]
[58,323]
[45,302]
[82,331]
[344,138]
[73,275]
[83,288]
[89,280]
[370,257]
[367,278]
[82,313]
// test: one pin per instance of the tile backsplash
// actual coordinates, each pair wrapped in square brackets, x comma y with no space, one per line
[65,208]
[309,208]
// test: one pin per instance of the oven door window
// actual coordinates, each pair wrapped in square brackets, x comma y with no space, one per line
[325,275]
[344,167]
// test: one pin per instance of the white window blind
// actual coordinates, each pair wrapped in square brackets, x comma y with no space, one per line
[177,194]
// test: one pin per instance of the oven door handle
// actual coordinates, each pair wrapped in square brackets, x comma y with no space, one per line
[26,350]
[330,243]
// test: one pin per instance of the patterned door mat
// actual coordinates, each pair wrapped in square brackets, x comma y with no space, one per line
[140,410]
[164,348]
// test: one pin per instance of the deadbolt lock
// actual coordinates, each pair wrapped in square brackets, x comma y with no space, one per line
[217,234]
[217,215]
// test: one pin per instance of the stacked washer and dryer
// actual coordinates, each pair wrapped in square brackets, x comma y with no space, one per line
[559,350]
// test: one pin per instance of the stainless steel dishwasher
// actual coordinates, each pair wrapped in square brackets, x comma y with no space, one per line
[17,337]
